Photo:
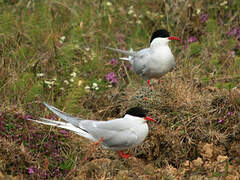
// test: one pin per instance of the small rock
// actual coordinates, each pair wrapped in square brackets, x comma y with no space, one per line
[231,177]
[221,158]
[186,163]
[207,151]
[198,162]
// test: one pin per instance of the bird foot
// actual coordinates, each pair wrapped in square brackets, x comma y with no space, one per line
[125,156]
[148,82]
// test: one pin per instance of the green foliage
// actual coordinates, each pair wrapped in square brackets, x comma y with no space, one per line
[205,79]
[227,85]
[236,63]
[67,165]
[195,48]
[35,91]
[211,26]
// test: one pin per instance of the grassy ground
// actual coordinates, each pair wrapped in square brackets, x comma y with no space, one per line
[52,51]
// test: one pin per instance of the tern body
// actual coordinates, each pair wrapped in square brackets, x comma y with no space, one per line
[154,61]
[117,134]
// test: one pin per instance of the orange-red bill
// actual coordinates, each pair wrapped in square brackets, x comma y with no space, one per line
[150,119]
[174,38]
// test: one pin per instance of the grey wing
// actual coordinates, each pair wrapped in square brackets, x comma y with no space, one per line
[121,140]
[140,60]
[115,133]
[65,116]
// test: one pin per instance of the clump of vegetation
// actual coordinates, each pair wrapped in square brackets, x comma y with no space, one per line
[53,51]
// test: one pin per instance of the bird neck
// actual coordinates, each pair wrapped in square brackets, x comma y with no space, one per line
[159,42]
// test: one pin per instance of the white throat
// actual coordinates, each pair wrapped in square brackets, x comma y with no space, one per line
[157,42]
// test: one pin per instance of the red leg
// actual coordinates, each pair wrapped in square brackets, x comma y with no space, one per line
[148,82]
[125,156]
[91,150]
[99,141]
[160,82]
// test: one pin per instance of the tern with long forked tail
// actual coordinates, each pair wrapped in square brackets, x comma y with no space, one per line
[117,134]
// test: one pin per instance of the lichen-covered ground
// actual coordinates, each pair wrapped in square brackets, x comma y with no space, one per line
[53,51]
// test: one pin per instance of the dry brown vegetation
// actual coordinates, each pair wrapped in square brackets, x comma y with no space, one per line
[197,107]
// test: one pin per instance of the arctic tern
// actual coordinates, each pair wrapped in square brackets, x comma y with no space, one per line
[154,61]
[117,134]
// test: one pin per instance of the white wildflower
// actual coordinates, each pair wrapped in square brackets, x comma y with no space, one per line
[71,80]
[62,88]
[66,82]
[40,74]
[87,88]
[73,74]
[62,39]
[223,3]
[139,22]
[198,11]
[130,12]
[94,85]
[97,88]
[48,82]
[87,49]
[49,86]
[109,3]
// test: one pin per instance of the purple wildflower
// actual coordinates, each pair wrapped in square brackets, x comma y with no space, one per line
[30,170]
[220,121]
[204,18]
[192,39]
[234,32]
[63,131]
[230,113]
[27,117]
[113,61]
[111,77]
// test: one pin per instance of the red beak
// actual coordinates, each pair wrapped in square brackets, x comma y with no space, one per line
[174,38]
[150,119]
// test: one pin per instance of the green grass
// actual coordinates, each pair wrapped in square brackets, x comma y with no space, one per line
[42,45]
